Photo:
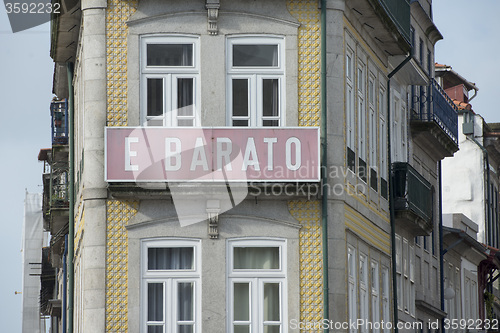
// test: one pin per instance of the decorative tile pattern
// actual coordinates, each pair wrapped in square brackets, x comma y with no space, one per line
[118,215]
[308,14]
[117,14]
[119,212]
[308,213]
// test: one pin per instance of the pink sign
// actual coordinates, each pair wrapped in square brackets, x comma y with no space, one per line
[158,154]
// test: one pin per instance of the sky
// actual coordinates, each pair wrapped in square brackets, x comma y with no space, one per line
[470,46]
[25,95]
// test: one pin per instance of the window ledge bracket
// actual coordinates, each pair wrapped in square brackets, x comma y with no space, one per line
[213,210]
[212,7]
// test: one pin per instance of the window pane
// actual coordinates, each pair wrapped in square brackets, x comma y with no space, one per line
[185,329]
[155,302]
[155,97]
[270,123]
[241,304]
[185,301]
[155,122]
[255,55]
[240,122]
[271,302]
[240,97]
[185,122]
[272,329]
[185,97]
[256,258]
[241,328]
[155,329]
[170,55]
[170,258]
[270,88]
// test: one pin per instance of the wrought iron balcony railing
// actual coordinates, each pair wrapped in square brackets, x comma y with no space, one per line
[412,193]
[59,114]
[432,104]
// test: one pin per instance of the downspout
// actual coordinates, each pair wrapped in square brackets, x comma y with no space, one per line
[71,231]
[391,193]
[441,249]
[324,164]
[65,284]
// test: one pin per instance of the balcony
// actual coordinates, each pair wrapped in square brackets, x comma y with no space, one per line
[55,204]
[59,123]
[412,199]
[47,283]
[434,120]
[387,21]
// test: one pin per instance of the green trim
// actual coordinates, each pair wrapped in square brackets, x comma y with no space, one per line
[71,192]
[324,164]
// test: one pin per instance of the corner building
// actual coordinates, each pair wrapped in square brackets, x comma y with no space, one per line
[163,92]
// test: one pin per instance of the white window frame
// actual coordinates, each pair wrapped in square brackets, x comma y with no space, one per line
[372,120]
[255,77]
[350,93]
[364,293]
[169,75]
[386,316]
[352,291]
[362,110]
[399,271]
[256,279]
[375,290]
[169,279]
[383,132]
[398,130]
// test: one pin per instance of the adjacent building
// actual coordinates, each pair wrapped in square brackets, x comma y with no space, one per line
[32,242]
[476,165]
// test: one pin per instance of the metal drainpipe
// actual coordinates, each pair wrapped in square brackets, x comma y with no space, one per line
[65,283]
[71,231]
[391,193]
[441,249]
[324,164]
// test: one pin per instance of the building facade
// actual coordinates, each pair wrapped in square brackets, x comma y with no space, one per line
[311,164]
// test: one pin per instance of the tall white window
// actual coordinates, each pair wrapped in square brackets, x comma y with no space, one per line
[405,275]
[382,109]
[412,280]
[363,289]
[372,128]
[375,288]
[352,287]
[398,133]
[350,115]
[386,316]
[170,288]
[170,81]
[257,286]
[256,75]
[362,133]
[399,270]
[470,307]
